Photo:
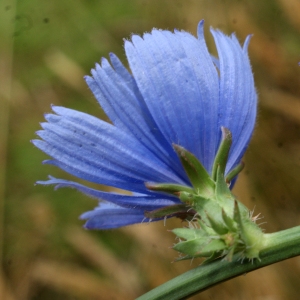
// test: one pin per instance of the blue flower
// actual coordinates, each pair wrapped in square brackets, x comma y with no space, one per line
[177,93]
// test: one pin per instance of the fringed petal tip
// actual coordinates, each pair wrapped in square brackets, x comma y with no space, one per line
[247,42]
[200,29]
[58,183]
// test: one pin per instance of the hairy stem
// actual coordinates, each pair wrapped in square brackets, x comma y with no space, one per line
[277,246]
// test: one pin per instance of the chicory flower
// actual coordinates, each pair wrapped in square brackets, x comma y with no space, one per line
[176,93]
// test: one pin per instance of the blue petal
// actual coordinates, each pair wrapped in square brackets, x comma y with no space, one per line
[120,98]
[140,201]
[178,94]
[238,100]
[99,152]
[108,216]
[176,71]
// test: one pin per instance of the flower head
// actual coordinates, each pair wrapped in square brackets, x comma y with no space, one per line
[177,94]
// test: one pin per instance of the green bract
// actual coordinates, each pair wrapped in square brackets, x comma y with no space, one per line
[219,225]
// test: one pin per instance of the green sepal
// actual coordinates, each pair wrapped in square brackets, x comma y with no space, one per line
[171,210]
[214,246]
[241,215]
[222,154]
[222,190]
[226,199]
[234,172]
[193,247]
[197,174]
[218,227]
[189,233]
[237,215]
[203,205]
[168,188]
[187,198]
[228,221]
[250,233]
[208,230]
[204,247]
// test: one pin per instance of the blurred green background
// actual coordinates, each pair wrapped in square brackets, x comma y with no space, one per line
[46,49]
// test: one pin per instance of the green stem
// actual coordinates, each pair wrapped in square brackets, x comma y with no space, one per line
[278,246]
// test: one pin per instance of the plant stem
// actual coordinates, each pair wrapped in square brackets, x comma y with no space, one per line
[277,246]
